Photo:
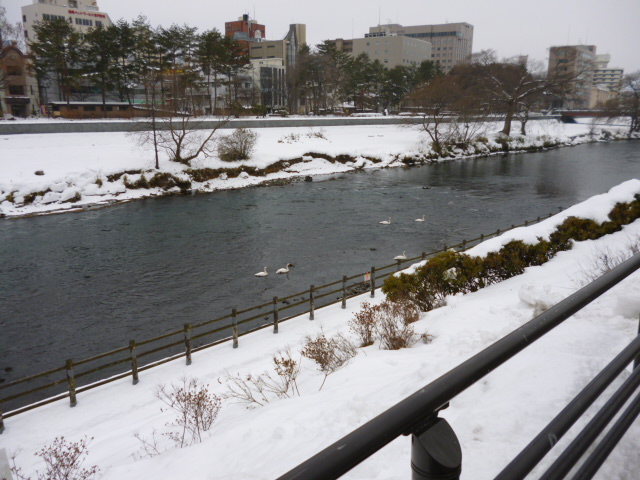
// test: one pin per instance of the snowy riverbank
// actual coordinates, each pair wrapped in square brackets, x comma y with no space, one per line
[494,419]
[50,173]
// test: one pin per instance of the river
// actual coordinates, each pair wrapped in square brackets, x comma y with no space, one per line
[78,284]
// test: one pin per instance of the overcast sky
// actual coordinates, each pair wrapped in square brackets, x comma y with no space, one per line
[511,27]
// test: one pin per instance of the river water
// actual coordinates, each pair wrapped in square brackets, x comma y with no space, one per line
[78,284]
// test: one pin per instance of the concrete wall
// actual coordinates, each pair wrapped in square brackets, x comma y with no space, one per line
[12,128]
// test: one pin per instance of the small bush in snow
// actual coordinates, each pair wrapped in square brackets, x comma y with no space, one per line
[363,324]
[261,389]
[237,146]
[394,324]
[63,461]
[196,409]
[329,353]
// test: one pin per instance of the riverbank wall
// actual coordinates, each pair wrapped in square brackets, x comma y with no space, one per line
[80,126]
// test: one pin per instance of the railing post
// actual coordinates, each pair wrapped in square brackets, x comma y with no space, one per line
[497,232]
[464,244]
[373,282]
[636,362]
[436,452]
[398,263]
[424,256]
[134,361]
[275,314]
[482,237]
[538,220]
[344,291]
[234,323]
[526,223]
[1,421]
[187,342]
[312,304]
[72,383]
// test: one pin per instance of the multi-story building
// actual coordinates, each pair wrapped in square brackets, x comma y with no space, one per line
[609,78]
[287,49]
[269,78]
[390,50]
[245,29]
[574,64]
[18,90]
[82,14]
[451,43]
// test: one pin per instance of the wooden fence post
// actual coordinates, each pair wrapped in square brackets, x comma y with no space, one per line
[398,262]
[311,303]
[464,244]
[344,291]
[373,282]
[187,342]
[72,383]
[424,256]
[275,314]
[1,421]
[234,323]
[134,361]
[497,232]
[482,237]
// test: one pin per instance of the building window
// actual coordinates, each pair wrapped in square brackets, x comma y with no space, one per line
[24,19]
[16,90]
[98,23]
[89,108]
[123,108]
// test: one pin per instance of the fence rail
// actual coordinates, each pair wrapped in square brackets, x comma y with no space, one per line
[194,337]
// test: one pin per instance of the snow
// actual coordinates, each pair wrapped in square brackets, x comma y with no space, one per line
[494,419]
[77,164]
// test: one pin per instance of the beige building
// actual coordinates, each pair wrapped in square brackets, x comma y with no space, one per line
[82,14]
[287,49]
[451,43]
[606,77]
[19,95]
[575,63]
[391,51]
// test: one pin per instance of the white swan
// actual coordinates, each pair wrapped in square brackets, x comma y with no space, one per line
[386,222]
[401,257]
[262,274]
[420,219]
[285,269]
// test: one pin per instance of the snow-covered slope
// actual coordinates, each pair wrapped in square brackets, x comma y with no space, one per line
[494,419]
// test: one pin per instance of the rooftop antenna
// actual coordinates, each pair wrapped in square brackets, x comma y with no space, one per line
[379,13]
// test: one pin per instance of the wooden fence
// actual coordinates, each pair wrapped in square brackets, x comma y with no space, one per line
[74,377]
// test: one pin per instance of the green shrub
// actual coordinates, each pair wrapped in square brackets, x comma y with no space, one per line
[450,273]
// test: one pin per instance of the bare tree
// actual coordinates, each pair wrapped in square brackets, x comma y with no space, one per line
[627,104]
[181,138]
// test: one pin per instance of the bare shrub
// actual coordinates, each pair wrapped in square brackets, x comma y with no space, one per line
[394,324]
[63,461]
[606,259]
[237,146]
[195,407]
[330,354]
[149,446]
[363,324]
[261,389]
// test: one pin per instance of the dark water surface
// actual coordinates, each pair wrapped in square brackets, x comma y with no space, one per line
[78,284]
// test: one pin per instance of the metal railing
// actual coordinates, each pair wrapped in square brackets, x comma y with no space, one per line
[77,376]
[436,452]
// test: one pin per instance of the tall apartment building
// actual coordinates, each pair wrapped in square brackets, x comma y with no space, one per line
[82,14]
[451,43]
[579,63]
[391,50]
[609,78]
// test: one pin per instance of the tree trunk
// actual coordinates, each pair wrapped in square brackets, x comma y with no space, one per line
[507,121]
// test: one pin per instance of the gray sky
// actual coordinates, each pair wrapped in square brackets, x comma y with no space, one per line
[511,27]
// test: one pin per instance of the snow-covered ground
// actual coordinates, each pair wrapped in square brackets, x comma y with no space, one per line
[494,419]
[45,173]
